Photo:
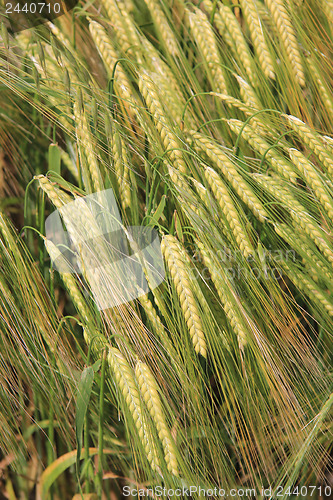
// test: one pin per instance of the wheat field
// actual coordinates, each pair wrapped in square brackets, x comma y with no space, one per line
[202,131]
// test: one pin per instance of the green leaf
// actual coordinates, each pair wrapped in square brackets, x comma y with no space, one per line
[82,402]
[54,159]
[53,471]
[159,210]
[96,366]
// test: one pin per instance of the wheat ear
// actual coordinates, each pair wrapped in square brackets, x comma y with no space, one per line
[79,223]
[88,143]
[125,379]
[246,109]
[266,19]
[169,139]
[166,80]
[228,297]
[328,143]
[232,101]
[69,282]
[124,29]
[222,161]
[288,37]
[257,35]
[227,23]
[277,161]
[248,94]
[69,163]
[149,391]
[167,36]
[121,166]
[219,23]
[297,211]
[56,195]
[109,57]
[324,93]
[312,139]
[206,41]
[313,179]
[302,245]
[151,313]
[227,205]
[176,262]
[308,286]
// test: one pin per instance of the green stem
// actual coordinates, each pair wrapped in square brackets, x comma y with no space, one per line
[101,422]
[246,123]
[271,147]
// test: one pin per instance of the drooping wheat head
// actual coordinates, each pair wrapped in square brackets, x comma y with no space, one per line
[180,275]
[149,391]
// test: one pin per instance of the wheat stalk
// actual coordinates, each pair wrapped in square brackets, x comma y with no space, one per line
[206,41]
[277,161]
[288,37]
[312,139]
[174,257]
[313,179]
[149,391]
[222,161]
[257,35]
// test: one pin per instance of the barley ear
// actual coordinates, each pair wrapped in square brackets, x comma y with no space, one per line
[313,179]
[163,28]
[312,139]
[69,282]
[125,380]
[288,37]
[231,213]
[205,39]
[251,15]
[149,391]
[228,297]
[176,263]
